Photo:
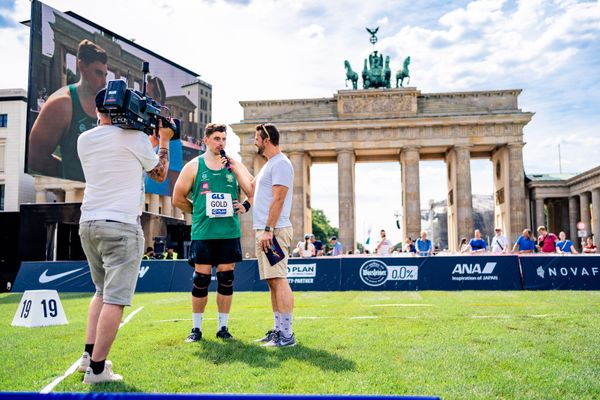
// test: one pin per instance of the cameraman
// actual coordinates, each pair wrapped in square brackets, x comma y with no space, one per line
[113,161]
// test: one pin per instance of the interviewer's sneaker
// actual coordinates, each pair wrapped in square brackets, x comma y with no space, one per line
[105,376]
[270,335]
[84,362]
[281,341]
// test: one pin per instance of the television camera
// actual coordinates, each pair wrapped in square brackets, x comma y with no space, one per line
[131,109]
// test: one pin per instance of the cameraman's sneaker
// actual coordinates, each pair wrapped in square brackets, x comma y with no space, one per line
[194,336]
[105,376]
[224,334]
[84,362]
[270,335]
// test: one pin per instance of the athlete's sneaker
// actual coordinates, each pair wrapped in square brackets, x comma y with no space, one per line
[268,336]
[194,336]
[224,334]
[281,341]
[105,376]
[84,362]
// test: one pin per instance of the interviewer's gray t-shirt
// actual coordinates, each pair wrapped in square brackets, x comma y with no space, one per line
[277,171]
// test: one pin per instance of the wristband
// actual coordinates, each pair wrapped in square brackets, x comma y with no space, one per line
[163,148]
[246,205]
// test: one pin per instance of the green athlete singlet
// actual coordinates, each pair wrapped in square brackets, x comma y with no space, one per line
[214,190]
[80,122]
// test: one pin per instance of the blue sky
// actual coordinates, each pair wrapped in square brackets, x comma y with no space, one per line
[276,49]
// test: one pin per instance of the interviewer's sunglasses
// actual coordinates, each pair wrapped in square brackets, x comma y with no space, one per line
[266,131]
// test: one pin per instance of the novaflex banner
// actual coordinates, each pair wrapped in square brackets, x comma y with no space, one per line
[577,272]
[380,274]
[470,273]
[309,274]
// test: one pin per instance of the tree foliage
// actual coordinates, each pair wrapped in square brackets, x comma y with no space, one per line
[321,227]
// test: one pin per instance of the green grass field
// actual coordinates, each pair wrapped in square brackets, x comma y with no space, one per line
[457,345]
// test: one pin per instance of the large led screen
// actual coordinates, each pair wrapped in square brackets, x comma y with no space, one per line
[71,59]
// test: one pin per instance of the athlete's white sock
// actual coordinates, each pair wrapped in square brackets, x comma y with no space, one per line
[286,324]
[223,318]
[277,319]
[197,320]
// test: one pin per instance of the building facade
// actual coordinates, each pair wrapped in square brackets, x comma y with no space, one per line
[16,187]
[560,201]
[405,126]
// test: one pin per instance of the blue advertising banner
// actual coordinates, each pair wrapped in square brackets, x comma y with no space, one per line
[561,272]
[384,273]
[67,276]
[74,276]
[470,273]
[246,278]
[312,274]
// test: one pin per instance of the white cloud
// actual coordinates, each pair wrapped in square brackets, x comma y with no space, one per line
[271,49]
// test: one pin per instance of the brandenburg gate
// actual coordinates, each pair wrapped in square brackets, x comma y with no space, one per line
[400,125]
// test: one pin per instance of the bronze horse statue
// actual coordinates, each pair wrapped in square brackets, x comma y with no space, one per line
[351,75]
[403,73]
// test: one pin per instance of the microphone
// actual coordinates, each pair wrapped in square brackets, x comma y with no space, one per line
[227,165]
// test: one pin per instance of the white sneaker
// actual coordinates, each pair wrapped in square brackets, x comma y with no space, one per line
[105,376]
[84,362]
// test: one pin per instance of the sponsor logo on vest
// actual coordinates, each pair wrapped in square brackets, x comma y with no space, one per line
[302,273]
[45,278]
[473,272]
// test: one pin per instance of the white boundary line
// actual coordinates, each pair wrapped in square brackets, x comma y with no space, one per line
[73,367]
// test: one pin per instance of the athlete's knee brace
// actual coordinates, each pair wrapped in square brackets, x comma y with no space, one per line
[225,283]
[201,282]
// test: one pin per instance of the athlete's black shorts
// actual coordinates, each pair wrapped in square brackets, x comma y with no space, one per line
[215,251]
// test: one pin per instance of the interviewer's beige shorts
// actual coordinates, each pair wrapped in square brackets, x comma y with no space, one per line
[279,270]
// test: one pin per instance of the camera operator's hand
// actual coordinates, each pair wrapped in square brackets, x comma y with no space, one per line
[164,133]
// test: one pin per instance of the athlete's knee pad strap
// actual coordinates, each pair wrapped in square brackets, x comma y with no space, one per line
[225,283]
[201,283]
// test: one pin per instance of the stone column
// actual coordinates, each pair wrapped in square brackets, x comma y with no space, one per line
[573,219]
[539,213]
[40,196]
[411,192]
[300,163]
[516,189]
[347,236]
[596,215]
[70,195]
[584,210]
[247,239]
[463,196]
[551,215]
[167,206]
[154,203]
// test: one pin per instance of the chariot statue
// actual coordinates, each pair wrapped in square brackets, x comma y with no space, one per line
[376,73]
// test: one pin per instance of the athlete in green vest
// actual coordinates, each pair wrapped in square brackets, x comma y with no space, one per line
[67,113]
[209,191]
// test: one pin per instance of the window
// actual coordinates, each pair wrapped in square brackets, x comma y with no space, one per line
[3,120]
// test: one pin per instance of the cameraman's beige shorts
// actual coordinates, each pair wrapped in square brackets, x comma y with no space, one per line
[279,270]
[114,253]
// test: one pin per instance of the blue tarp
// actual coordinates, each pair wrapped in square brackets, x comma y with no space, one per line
[138,396]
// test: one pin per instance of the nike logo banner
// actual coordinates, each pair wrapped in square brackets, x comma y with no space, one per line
[45,278]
